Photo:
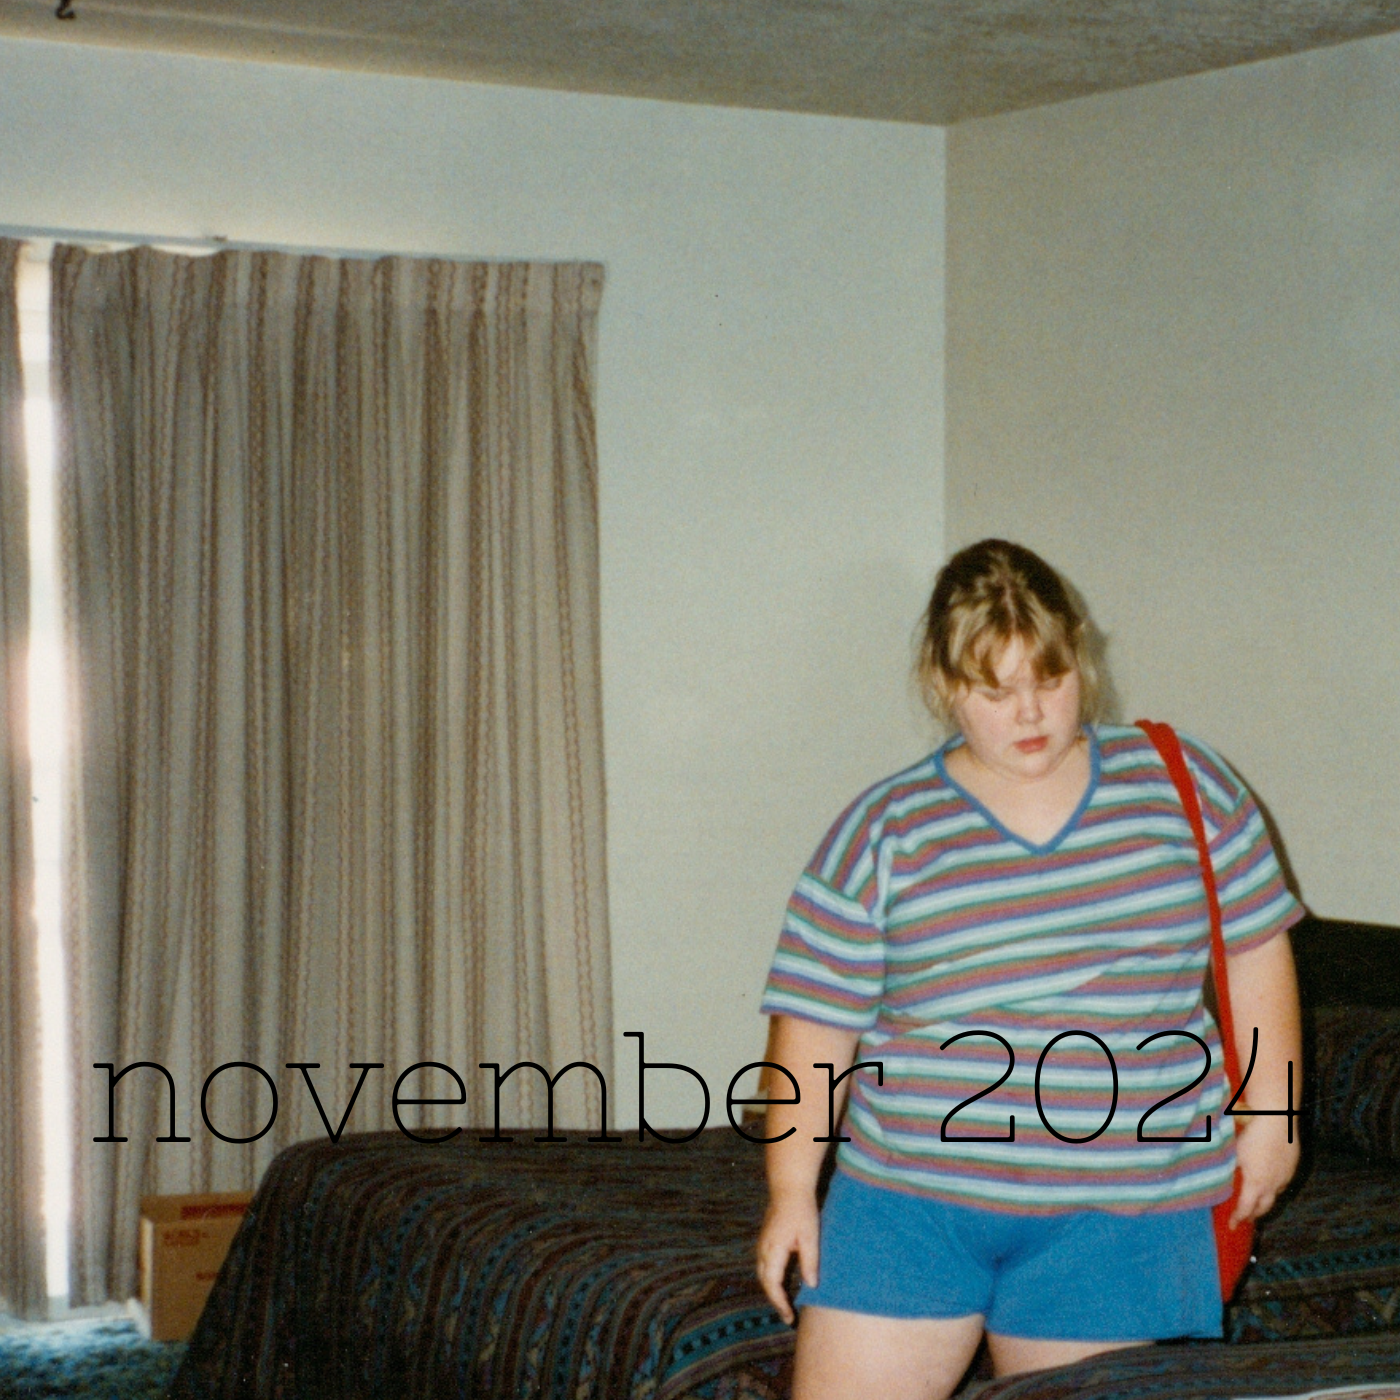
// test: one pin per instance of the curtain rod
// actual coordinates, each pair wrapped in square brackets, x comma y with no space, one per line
[218,244]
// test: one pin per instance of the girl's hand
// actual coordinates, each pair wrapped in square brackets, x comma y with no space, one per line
[1264,991]
[1267,1161]
[798,1128]
[790,1227]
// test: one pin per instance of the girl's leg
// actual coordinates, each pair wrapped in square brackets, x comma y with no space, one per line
[1012,1355]
[854,1356]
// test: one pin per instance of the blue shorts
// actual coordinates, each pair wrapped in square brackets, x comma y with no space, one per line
[1082,1276]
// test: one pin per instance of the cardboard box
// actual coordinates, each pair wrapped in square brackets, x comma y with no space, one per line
[183,1243]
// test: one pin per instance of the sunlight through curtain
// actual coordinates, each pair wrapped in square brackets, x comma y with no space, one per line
[22,1283]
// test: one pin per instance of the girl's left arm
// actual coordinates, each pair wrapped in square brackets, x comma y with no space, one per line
[1264,993]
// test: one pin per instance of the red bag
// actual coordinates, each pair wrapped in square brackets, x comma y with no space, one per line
[1233,1247]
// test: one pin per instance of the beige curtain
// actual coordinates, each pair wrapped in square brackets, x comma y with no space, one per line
[22,1282]
[331,579]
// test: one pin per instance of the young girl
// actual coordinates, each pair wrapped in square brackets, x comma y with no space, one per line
[1007,941]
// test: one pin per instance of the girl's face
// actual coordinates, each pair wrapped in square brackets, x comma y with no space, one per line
[1024,727]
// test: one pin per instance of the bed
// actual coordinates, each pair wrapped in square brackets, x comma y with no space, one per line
[380,1267]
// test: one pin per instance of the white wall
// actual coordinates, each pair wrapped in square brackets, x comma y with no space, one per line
[1174,368]
[770,427]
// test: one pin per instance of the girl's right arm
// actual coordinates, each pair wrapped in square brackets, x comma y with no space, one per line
[793,1165]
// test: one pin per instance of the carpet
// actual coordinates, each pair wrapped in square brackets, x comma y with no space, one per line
[106,1359]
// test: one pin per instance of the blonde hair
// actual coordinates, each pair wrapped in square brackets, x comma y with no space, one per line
[986,596]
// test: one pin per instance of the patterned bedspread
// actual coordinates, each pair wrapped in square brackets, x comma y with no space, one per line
[384,1268]
[1215,1371]
[381,1268]
[1328,1261]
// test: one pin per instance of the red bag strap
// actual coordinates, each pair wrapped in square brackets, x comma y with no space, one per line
[1164,738]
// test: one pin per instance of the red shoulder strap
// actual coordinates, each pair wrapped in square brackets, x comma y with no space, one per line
[1164,738]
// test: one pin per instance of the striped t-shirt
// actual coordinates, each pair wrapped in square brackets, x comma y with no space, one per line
[921,918]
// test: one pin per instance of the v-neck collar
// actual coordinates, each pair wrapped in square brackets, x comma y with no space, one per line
[1039,850]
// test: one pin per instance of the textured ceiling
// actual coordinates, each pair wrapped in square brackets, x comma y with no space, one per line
[936,61]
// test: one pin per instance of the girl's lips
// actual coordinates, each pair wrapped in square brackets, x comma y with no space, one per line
[1032,745]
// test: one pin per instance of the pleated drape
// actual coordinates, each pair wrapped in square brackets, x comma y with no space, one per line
[330,565]
[22,1282]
